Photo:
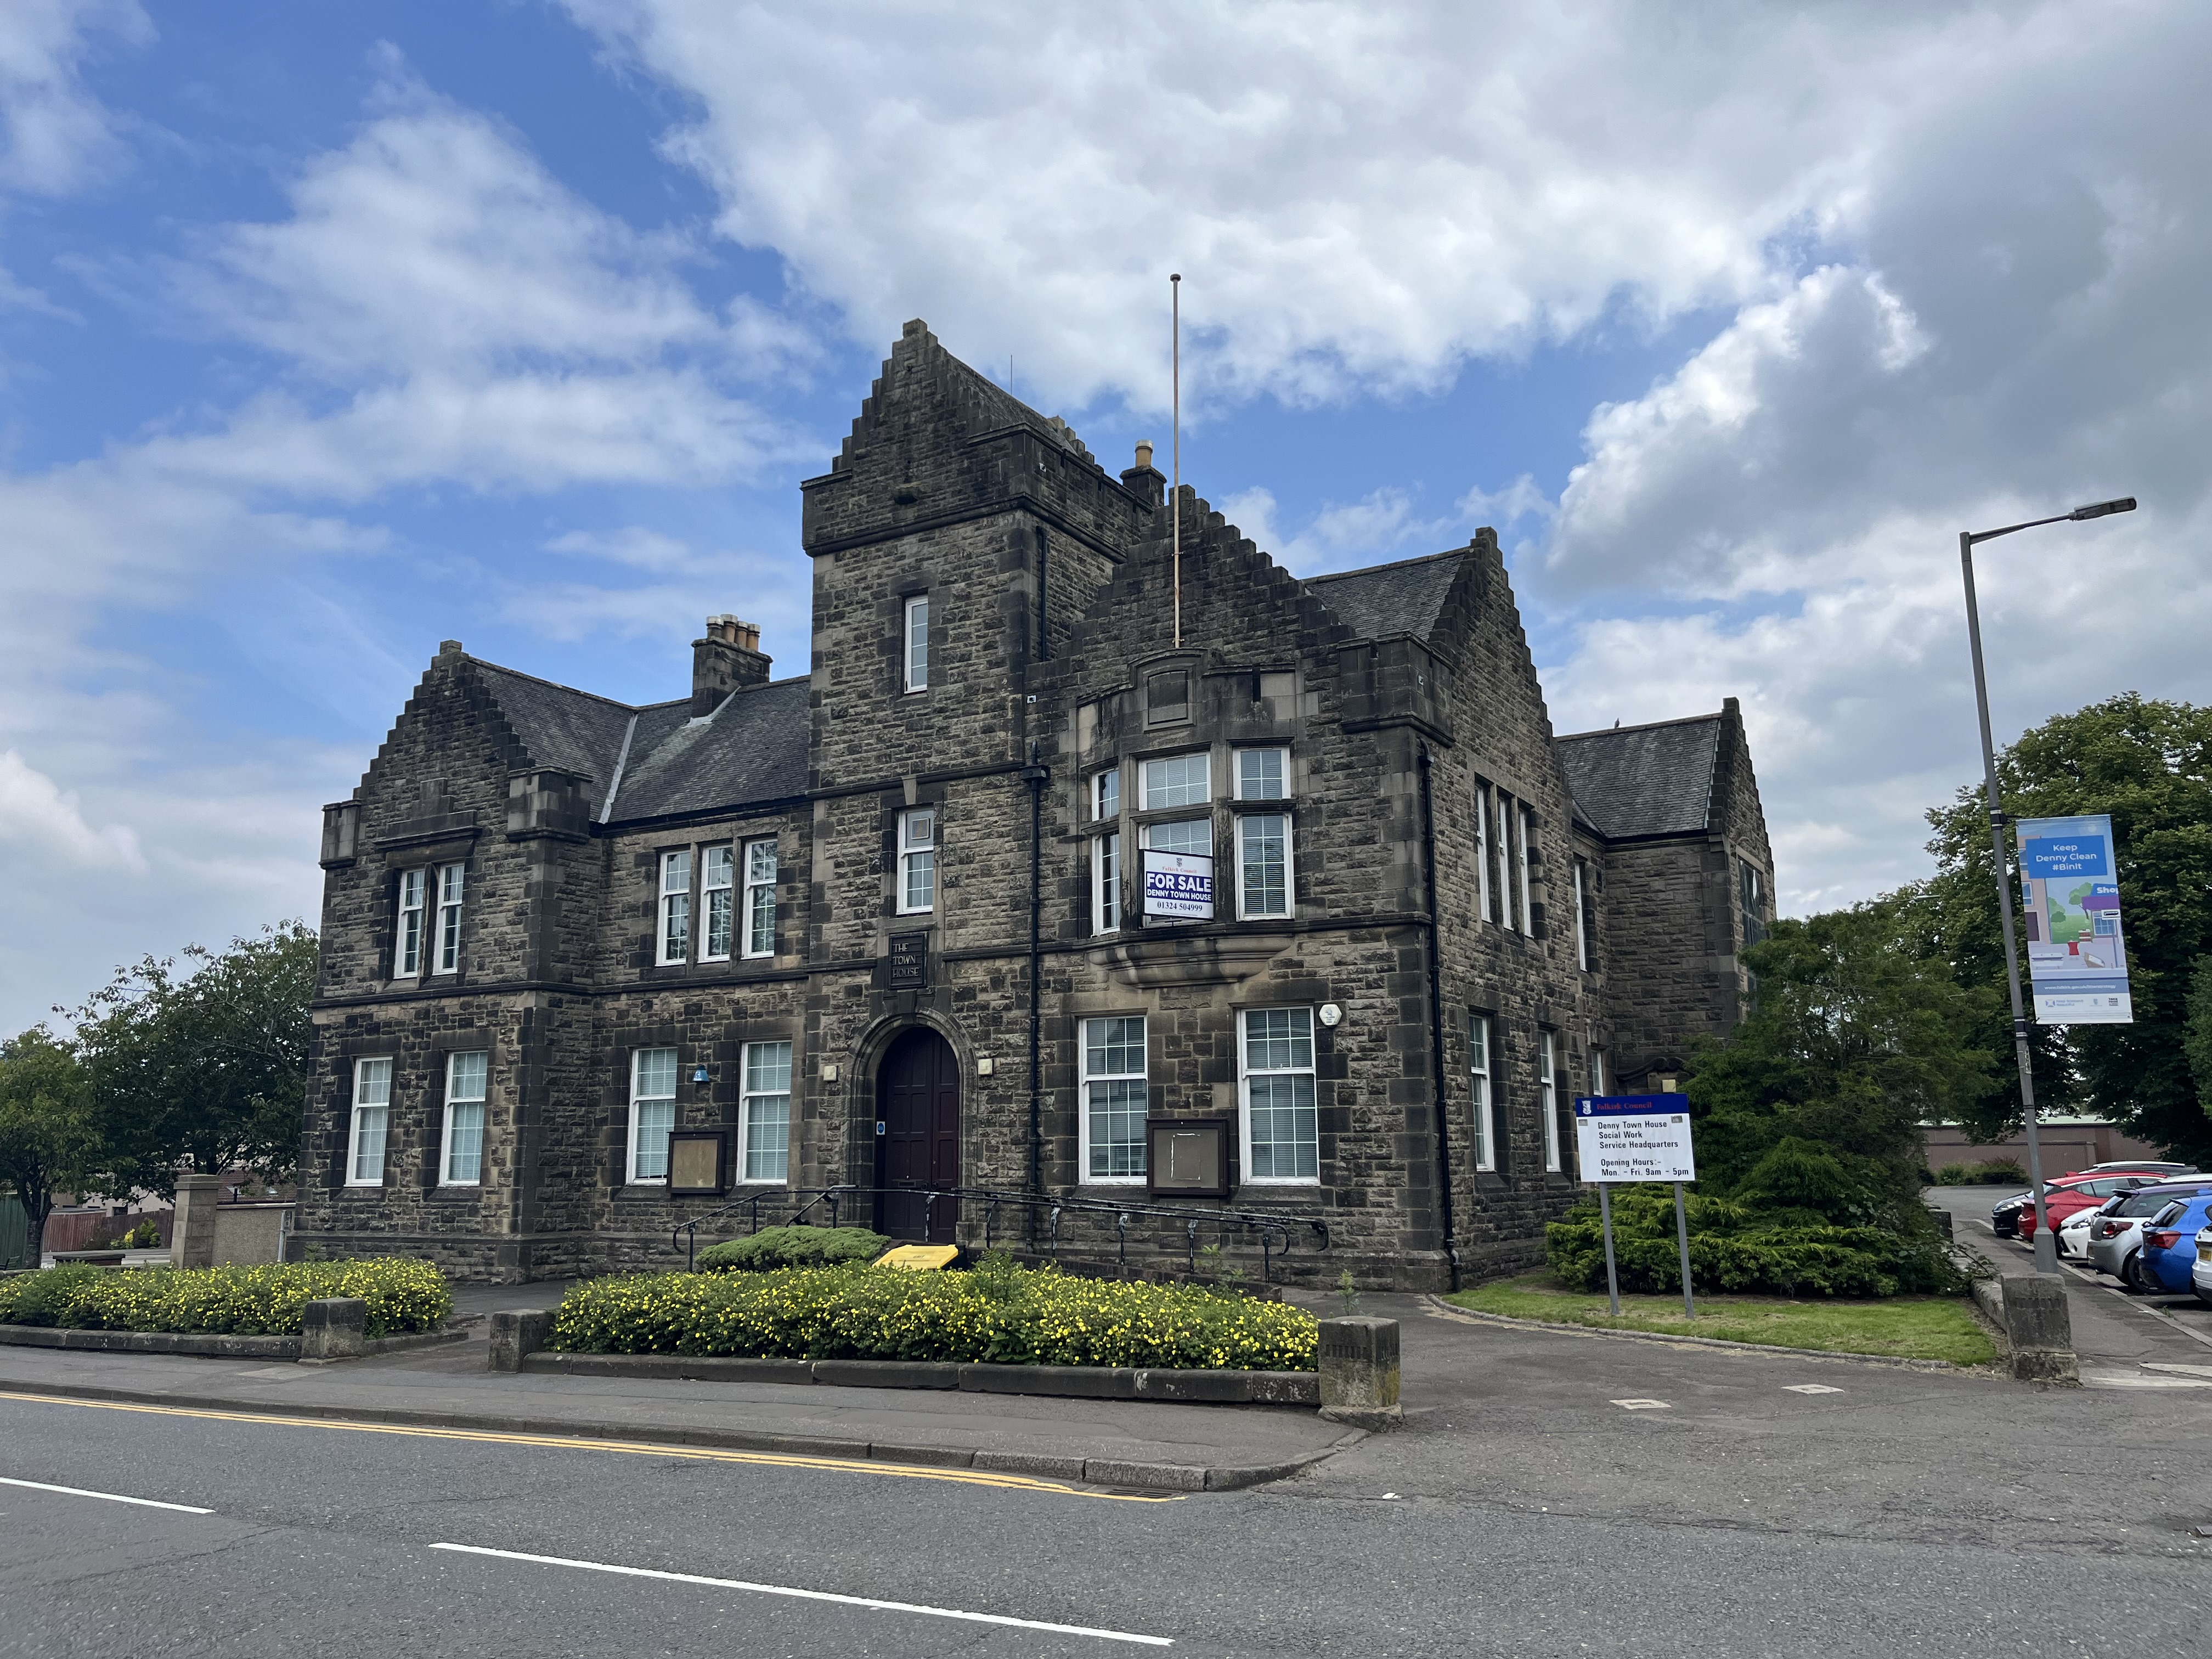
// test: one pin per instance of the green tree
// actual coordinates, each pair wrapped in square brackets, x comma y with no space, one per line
[1814,1103]
[205,1070]
[2148,764]
[47,1139]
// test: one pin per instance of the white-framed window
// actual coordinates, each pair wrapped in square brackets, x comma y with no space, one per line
[1482,854]
[1178,781]
[449,918]
[1478,1067]
[467,1074]
[1597,1071]
[916,637]
[1581,930]
[676,906]
[1521,854]
[1263,865]
[407,949]
[1276,1093]
[1547,1095]
[652,1115]
[1507,912]
[764,1111]
[1263,774]
[1106,882]
[718,871]
[760,897]
[917,860]
[1114,1100]
[1106,795]
[372,1118]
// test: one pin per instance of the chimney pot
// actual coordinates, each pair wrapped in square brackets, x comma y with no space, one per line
[726,661]
[1144,452]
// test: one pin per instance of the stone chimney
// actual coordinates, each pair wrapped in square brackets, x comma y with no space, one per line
[1145,479]
[728,660]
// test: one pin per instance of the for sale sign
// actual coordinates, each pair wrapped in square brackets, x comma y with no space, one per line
[1634,1138]
[1179,884]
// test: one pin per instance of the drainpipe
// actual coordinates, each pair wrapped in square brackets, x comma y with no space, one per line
[1436,1012]
[1037,775]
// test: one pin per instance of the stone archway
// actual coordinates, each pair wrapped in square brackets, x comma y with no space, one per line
[918,1103]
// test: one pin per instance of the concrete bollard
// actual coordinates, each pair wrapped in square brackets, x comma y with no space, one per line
[336,1328]
[1943,1220]
[2038,1330]
[1360,1372]
[517,1333]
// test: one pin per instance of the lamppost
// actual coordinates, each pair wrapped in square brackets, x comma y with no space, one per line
[2047,1245]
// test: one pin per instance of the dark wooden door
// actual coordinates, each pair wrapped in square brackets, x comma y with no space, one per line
[918,1097]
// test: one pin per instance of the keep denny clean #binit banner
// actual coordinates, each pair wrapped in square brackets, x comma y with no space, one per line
[2076,954]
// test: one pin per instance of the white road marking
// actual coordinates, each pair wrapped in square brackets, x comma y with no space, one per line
[111,1496]
[813,1596]
[1810,1388]
[1643,1405]
[2179,1371]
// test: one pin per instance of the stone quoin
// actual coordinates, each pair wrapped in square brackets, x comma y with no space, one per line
[1323,877]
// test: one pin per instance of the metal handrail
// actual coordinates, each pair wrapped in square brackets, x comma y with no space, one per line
[1276,1231]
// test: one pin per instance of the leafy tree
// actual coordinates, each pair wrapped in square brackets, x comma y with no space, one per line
[2148,764]
[206,1069]
[1813,1105]
[47,1139]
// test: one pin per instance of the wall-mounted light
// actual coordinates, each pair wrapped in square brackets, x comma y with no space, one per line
[701,1074]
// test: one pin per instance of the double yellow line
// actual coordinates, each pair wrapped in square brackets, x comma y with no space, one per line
[1003,1482]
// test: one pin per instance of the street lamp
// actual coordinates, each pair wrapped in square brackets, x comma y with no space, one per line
[2046,1245]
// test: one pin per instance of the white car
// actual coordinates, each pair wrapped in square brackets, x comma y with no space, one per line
[2073,1234]
[2200,1276]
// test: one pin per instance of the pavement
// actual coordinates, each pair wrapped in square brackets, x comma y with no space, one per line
[1552,1492]
[1118,1441]
[2123,1340]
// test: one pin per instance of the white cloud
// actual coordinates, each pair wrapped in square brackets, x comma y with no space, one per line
[54,135]
[38,817]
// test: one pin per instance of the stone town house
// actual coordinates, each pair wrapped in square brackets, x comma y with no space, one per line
[891,923]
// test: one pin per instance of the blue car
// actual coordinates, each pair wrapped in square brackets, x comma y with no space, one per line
[2169,1246]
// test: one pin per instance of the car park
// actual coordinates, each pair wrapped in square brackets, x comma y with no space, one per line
[2116,1231]
[2006,1216]
[2082,1190]
[2169,1244]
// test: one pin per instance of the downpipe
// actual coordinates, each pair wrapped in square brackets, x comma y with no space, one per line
[1436,1012]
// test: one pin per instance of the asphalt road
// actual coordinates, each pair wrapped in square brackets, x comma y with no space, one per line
[1524,1511]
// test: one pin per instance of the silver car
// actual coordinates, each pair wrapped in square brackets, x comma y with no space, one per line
[2116,1236]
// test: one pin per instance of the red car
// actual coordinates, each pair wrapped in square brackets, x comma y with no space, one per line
[2082,1190]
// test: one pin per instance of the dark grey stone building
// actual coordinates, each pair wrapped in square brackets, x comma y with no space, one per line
[1015,889]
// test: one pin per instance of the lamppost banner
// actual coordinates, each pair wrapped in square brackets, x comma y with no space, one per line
[2077,956]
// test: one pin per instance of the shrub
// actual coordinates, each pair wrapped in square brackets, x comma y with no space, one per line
[1000,1313]
[793,1247]
[1736,1247]
[239,1300]
[2003,1171]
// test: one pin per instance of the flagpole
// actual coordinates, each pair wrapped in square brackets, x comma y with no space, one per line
[1175,495]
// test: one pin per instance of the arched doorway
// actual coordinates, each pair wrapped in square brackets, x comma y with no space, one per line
[918,1099]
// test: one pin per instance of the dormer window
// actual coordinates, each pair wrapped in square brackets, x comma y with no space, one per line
[917,639]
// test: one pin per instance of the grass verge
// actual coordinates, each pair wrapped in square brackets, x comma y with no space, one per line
[1905,1327]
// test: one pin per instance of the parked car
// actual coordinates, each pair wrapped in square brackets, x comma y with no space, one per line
[2074,1231]
[2083,1190]
[2169,1244]
[2115,1230]
[2007,1215]
[2200,1276]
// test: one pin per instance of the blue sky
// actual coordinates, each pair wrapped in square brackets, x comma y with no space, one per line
[328,333]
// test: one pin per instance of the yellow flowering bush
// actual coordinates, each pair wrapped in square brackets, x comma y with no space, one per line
[1000,1313]
[233,1301]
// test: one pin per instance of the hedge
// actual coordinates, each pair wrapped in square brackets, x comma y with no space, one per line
[793,1247]
[999,1314]
[1734,1249]
[237,1301]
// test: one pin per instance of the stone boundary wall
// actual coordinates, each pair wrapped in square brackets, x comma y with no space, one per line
[203,1345]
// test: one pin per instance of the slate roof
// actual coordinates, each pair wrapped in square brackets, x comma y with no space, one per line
[1645,780]
[753,748]
[1405,597]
